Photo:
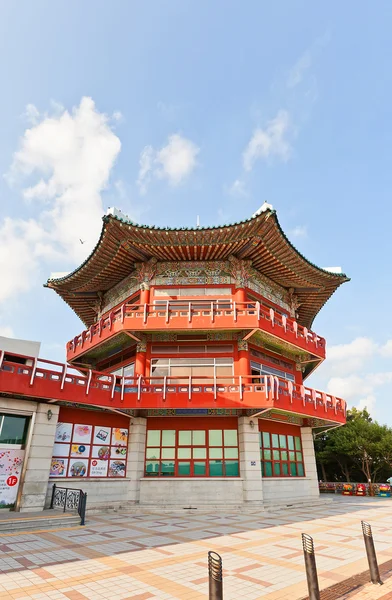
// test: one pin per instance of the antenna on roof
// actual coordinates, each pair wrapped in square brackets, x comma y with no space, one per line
[198,221]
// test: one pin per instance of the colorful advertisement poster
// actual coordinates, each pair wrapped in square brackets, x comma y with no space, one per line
[118,452]
[80,450]
[11,462]
[119,436]
[77,467]
[58,467]
[117,468]
[98,468]
[101,452]
[63,432]
[61,450]
[102,435]
[82,434]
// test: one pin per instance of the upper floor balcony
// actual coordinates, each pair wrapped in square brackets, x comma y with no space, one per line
[196,315]
[53,382]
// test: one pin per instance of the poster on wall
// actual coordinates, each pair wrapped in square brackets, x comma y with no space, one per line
[61,450]
[11,462]
[98,468]
[63,432]
[118,452]
[80,450]
[119,436]
[102,435]
[77,467]
[117,468]
[58,467]
[101,452]
[82,434]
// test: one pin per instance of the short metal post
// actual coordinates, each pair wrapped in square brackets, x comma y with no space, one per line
[371,553]
[310,566]
[215,585]
[53,493]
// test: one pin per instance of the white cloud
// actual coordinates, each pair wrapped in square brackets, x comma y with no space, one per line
[300,231]
[386,349]
[297,72]
[73,155]
[237,188]
[346,358]
[174,162]
[269,142]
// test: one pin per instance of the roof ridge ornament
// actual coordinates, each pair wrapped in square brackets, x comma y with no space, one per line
[263,208]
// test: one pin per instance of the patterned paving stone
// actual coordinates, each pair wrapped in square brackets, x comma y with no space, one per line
[149,557]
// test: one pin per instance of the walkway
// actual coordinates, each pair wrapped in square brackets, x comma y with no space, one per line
[150,557]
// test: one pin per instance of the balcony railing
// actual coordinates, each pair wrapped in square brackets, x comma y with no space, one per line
[198,314]
[55,381]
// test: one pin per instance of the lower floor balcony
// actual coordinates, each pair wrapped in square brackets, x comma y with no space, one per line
[56,382]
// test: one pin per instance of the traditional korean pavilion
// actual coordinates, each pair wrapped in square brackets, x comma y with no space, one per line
[186,387]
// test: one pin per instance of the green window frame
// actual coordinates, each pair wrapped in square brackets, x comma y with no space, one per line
[281,455]
[192,453]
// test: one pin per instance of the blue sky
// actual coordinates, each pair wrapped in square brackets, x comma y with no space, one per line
[170,110]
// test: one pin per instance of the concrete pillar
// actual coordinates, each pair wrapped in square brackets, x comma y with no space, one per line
[312,488]
[39,459]
[136,454]
[250,467]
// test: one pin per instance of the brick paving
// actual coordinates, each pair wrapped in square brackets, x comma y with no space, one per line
[164,556]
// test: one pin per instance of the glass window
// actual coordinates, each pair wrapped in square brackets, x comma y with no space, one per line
[231,468]
[199,452]
[231,452]
[216,468]
[184,468]
[189,456]
[230,437]
[169,453]
[13,429]
[184,453]
[153,438]
[153,453]
[168,438]
[199,468]
[215,437]
[287,462]
[167,468]
[266,440]
[199,438]
[184,438]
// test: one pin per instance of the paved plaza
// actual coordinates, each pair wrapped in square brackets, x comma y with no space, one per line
[150,557]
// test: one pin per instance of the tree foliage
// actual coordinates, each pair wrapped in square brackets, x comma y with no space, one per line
[359,451]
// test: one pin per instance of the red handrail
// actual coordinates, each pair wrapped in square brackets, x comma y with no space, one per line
[172,309]
[271,388]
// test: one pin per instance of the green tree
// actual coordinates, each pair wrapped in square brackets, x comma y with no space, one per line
[361,449]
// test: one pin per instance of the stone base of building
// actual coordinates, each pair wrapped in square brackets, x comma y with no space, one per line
[162,464]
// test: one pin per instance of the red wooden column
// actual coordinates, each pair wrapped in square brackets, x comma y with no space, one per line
[243,360]
[144,294]
[140,361]
[240,295]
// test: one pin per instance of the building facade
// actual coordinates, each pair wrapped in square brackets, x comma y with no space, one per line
[186,388]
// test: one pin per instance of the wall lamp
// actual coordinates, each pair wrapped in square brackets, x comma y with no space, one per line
[49,414]
[252,424]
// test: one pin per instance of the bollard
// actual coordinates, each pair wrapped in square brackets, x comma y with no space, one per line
[215,585]
[310,566]
[371,553]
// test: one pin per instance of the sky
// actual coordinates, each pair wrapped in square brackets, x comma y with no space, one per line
[169,110]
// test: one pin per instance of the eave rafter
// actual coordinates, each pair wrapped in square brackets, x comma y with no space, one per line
[259,239]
